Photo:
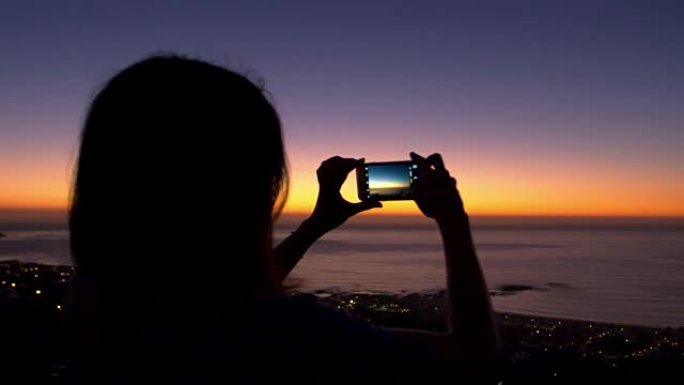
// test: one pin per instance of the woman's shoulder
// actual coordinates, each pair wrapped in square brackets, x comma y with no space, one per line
[307,318]
[302,308]
[336,345]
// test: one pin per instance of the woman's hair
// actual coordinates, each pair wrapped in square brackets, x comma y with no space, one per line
[180,173]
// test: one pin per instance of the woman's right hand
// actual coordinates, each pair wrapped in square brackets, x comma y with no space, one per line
[435,191]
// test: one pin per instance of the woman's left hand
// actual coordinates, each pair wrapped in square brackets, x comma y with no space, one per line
[332,210]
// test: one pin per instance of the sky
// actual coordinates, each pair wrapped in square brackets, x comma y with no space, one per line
[538,107]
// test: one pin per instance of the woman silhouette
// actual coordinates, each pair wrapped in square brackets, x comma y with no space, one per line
[180,175]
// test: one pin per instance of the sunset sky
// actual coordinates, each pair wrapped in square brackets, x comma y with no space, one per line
[542,108]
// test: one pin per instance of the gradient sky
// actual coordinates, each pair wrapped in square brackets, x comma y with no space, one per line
[545,107]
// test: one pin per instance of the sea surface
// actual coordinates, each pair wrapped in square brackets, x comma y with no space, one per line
[622,270]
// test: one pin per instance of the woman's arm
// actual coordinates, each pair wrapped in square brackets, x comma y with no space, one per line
[472,328]
[471,340]
[290,251]
[331,211]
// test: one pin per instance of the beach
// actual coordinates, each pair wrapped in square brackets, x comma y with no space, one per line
[538,349]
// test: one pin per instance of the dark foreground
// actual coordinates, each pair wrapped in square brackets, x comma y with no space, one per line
[539,350]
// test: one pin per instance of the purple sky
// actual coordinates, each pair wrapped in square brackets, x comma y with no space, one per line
[543,80]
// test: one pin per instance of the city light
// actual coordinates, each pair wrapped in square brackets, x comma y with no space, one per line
[526,337]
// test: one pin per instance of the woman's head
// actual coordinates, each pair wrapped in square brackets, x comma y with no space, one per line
[180,171]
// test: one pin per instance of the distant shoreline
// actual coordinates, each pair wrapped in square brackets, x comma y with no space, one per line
[411,299]
[61,214]
[538,349]
[431,294]
[28,277]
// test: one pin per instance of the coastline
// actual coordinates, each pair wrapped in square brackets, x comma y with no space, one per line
[539,349]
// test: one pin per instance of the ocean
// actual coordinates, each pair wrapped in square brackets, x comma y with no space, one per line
[623,271]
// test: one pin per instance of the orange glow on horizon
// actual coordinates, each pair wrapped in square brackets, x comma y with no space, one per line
[34,182]
[488,188]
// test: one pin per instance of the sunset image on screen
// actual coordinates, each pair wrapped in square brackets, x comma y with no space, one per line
[386,180]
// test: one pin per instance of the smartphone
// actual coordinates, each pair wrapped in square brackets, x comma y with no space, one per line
[386,181]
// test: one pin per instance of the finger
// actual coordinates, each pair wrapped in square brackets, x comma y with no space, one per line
[338,164]
[365,205]
[419,160]
[424,169]
[348,164]
[436,161]
[333,159]
[326,163]
[416,158]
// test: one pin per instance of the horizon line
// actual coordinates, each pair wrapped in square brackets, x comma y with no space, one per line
[300,213]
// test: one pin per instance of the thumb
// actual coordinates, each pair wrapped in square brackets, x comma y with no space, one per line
[365,205]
